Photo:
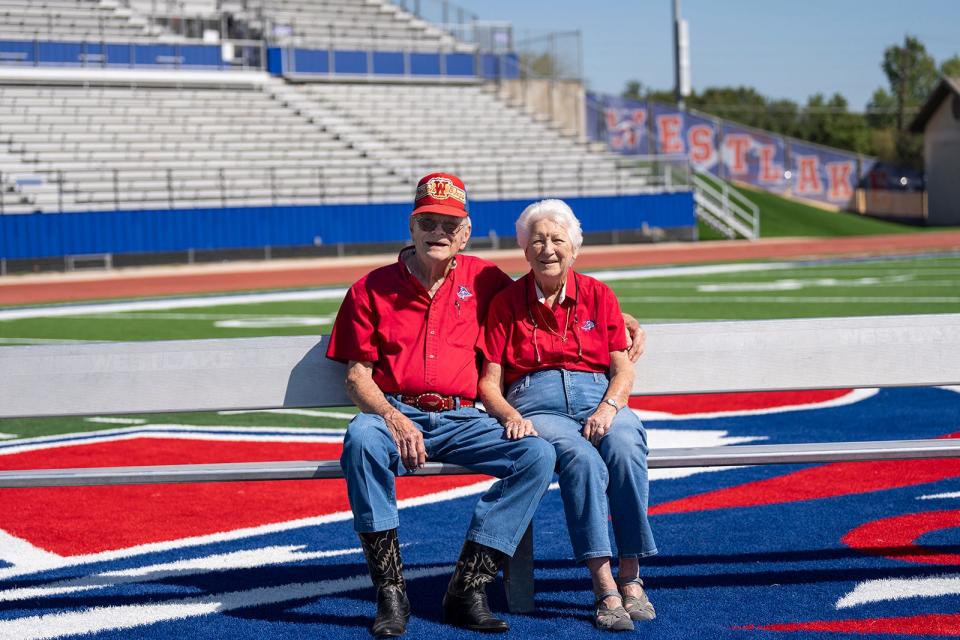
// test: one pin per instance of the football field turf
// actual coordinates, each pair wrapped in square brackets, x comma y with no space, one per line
[805,552]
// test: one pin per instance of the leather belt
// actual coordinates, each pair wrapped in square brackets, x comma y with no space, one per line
[434,402]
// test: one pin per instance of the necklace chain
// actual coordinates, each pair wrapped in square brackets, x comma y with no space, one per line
[566,326]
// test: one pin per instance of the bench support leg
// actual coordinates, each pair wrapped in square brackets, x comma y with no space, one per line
[518,576]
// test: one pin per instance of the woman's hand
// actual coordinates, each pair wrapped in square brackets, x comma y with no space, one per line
[598,425]
[518,427]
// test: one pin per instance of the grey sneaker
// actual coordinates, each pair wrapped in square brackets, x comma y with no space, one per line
[611,619]
[638,607]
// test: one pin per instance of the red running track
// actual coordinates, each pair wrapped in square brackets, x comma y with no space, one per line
[131,283]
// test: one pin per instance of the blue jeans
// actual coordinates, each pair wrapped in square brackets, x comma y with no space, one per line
[466,437]
[558,403]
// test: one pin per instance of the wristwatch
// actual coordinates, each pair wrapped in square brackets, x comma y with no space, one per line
[612,403]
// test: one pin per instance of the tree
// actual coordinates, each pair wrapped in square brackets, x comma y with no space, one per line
[951,67]
[912,74]
[882,110]
[633,91]
[828,122]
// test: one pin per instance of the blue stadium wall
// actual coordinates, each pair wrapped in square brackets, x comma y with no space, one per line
[36,236]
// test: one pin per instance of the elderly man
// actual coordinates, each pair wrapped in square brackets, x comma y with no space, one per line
[407,332]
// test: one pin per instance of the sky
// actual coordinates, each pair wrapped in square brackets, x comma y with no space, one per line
[783,48]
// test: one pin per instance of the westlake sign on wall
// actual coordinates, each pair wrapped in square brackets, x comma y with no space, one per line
[735,152]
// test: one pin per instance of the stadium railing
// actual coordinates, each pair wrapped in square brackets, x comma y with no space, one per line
[287,372]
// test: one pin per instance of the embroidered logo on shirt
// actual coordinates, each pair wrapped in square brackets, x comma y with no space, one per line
[588,325]
[464,293]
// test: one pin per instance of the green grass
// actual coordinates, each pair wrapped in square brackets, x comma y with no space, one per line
[279,318]
[34,427]
[865,288]
[782,217]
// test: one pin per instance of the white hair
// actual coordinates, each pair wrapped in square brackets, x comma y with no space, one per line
[557,211]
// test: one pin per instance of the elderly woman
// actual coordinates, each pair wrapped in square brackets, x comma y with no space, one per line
[555,341]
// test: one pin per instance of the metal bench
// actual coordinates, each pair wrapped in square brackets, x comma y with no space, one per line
[268,373]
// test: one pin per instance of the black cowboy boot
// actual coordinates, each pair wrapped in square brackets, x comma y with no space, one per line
[382,551]
[465,604]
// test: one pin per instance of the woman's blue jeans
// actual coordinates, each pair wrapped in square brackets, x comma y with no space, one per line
[558,403]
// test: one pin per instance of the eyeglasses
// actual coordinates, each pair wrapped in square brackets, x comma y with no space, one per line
[429,224]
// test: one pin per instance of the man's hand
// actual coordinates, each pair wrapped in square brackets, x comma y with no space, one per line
[517,427]
[636,337]
[598,424]
[408,438]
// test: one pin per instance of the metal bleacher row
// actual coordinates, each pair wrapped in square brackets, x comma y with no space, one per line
[72,19]
[76,144]
[344,24]
[348,24]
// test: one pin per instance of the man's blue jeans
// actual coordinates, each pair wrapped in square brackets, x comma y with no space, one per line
[466,437]
[558,402]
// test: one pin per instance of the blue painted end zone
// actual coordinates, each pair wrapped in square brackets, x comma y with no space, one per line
[155,231]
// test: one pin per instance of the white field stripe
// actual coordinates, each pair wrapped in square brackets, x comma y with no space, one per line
[332,294]
[29,341]
[239,534]
[699,270]
[7,436]
[174,303]
[20,447]
[312,413]
[941,496]
[795,299]
[200,316]
[890,589]
[780,285]
[249,559]
[182,431]
[105,420]
[132,616]
[797,284]
[25,556]
[854,396]
[955,389]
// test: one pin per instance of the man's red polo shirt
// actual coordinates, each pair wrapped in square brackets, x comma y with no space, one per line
[589,317]
[418,344]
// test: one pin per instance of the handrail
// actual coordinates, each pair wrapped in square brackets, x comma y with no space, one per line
[738,212]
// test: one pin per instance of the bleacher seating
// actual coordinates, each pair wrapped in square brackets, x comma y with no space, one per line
[125,147]
[276,143]
[356,24]
[73,20]
[71,145]
[500,151]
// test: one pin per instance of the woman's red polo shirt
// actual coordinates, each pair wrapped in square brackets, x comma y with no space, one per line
[590,312]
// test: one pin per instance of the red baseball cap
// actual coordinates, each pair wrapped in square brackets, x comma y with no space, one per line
[441,193]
